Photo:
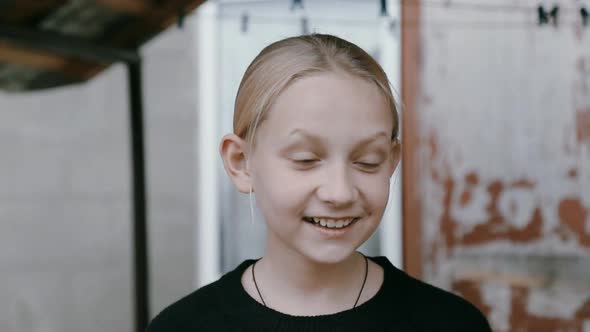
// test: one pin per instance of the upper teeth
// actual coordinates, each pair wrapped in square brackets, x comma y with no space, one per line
[332,223]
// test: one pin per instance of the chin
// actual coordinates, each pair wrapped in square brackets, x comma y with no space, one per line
[329,254]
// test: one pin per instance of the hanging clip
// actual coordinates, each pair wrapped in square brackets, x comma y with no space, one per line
[383,11]
[545,16]
[244,22]
[296,4]
[393,25]
[304,26]
[584,14]
[181,17]
[554,13]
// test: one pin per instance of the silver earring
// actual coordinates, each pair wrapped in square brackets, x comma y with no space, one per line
[250,197]
[251,205]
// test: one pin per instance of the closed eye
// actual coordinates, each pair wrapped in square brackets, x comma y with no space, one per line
[305,161]
[369,165]
[309,161]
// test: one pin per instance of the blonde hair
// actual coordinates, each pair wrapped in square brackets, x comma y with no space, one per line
[282,62]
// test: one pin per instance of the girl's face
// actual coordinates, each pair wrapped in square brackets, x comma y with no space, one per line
[324,150]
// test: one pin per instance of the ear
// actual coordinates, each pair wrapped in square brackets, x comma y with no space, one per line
[233,153]
[395,156]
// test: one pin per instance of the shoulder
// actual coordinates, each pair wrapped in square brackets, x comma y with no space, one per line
[430,308]
[445,310]
[204,309]
[188,312]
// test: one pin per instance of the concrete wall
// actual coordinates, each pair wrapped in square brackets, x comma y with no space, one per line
[65,215]
[504,162]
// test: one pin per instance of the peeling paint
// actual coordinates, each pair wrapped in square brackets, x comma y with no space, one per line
[504,168]
[583,125]
[504,211]
[573,214]
[555,303]
[517,207]
[522,320]
[523,309]
[499,299]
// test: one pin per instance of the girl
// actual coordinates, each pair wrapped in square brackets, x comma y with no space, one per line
[316,138]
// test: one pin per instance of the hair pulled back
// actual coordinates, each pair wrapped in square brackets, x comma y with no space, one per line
[281,63]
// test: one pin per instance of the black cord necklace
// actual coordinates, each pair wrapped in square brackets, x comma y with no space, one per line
[355,302]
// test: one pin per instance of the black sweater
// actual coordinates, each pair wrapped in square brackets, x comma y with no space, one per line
[401,304]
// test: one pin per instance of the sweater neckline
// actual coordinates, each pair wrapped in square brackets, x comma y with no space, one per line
[372,312]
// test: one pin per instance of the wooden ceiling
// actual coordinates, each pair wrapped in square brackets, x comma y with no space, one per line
[118,24]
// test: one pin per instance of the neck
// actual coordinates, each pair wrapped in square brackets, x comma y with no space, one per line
[311,287]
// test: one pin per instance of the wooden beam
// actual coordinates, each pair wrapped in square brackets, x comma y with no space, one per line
[136,7]
[148,10]
[411,205]
[18,12]
[45,61]
[153,22]
[172,19]
[22,10]
[66,45]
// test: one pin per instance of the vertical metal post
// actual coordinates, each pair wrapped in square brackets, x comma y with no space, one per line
[140,257]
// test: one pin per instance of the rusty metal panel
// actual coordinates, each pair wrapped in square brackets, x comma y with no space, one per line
[503,158]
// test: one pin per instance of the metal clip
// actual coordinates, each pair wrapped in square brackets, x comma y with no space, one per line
[181,17]
[296,4]
[304,26]
[545,16]
[383,11]
[244,22]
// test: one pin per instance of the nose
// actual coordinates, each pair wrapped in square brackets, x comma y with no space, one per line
[337,188]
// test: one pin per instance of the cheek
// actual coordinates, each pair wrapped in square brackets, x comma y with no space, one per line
[376,190]
[280,185]
[279,191]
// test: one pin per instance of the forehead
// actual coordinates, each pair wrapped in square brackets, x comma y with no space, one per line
[329,105]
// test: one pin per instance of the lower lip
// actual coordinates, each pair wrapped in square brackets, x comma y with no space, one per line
[333,232]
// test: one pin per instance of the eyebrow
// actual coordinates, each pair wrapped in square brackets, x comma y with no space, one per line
[315,138]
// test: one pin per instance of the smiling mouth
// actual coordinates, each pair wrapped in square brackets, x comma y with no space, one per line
[330,225]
